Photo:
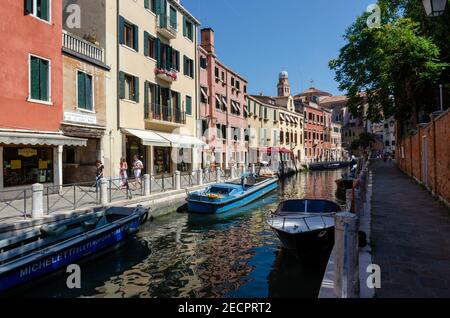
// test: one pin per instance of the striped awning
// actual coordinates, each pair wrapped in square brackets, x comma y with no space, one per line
[282,116]
[288,119]
[224,102]
[204,93]
[219,102]
[235,106]
[38,139]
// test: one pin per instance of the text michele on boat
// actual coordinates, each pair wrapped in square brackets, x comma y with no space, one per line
[304,224]
[34,253]
[224,197]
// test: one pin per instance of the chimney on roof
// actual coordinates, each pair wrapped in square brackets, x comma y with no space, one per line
[207,36]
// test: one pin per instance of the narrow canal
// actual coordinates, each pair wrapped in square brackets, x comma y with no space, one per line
[230,255]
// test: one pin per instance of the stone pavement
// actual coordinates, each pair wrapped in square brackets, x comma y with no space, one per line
[410,237]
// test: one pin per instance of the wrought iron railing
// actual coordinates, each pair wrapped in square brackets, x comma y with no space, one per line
[15,203]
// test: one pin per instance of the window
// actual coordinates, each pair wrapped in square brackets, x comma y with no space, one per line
[173,17]
[188,67]
[232,81]
[223,76]
[39,79]
[238,85]
[150,46]
[85,88]
[39,8]
[216,71]
[175,60]
[245,89]
[275,115]
[129,87]
[188,29]
[189,105]
[128,34]
[150,5]
[204,63]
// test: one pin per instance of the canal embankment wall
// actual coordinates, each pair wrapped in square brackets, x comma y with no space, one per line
[346,272]
[425,155]
[161,204]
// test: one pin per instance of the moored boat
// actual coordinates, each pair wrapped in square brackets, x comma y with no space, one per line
[35,253]
[304,224]
[224,197]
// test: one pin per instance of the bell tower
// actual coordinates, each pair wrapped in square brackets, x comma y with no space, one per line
[284,88]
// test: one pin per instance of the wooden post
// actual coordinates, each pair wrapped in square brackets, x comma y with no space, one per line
[346,266]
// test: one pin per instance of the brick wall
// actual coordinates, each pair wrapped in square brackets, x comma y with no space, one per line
[430,165]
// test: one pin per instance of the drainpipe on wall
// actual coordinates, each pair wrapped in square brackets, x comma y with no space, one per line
[118,63]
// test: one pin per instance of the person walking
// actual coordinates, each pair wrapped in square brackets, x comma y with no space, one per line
[99,167]
[137,170]
[123,172]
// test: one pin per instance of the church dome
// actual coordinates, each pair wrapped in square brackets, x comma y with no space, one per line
[284,74]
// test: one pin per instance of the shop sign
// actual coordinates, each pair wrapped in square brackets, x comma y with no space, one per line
[27,152]
[80,118]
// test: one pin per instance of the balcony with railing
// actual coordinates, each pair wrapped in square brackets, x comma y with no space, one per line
[156,112]
[77,45]
[167,27]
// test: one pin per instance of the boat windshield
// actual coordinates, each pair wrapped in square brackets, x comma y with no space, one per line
[220,190]
[311,206]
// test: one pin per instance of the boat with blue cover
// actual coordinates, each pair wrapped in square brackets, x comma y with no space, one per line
[223,197]
[35,253]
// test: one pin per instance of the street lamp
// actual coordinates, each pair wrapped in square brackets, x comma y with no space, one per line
[434,8]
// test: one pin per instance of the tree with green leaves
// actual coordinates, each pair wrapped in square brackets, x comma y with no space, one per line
[393,66]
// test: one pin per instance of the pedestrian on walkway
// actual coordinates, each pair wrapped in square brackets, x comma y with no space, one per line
[99,171]
[123,173]
[137,170]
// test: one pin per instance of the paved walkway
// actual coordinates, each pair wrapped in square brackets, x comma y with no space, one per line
[410,237]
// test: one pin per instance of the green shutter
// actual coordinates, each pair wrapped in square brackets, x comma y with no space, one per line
[28,7]
[81,90]
[185,67]
[158,52]
[158,100]
[136,89]
[184,26]
[135,37]
[43,80]
[146,99]
[168,58]
[122,85]
[178,60]
[44,10]
[146,4]
[88,81]
[188,105]
[158,6]
[34,77]
[191,65]
[121,30]
[146,36]
[178,106]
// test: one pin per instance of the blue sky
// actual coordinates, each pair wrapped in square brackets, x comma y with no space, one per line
[260,38]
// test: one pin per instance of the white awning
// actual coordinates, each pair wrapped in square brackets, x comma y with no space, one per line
[37,139]
[181,141]
[204,93]
[219,102]
[246,111]
[160,139]
[282,116]
[224,102]
[149,137]
[296,120]
[235,106]
[288,119]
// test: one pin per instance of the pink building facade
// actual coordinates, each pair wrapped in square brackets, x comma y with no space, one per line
[223,111]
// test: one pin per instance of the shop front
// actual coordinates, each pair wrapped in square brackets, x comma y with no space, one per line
[163,153]
[27,159]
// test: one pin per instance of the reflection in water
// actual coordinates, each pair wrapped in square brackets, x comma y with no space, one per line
[229,255]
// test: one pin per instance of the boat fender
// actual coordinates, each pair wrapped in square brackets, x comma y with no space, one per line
[53,231]
[132,230]
[144,217]
[322,234]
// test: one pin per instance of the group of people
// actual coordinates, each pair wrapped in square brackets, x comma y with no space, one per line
[137,168]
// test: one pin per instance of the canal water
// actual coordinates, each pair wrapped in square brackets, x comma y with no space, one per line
[230,255]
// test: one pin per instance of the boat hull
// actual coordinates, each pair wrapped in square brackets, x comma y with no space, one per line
[307,241]
[67,252]
[204,207]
